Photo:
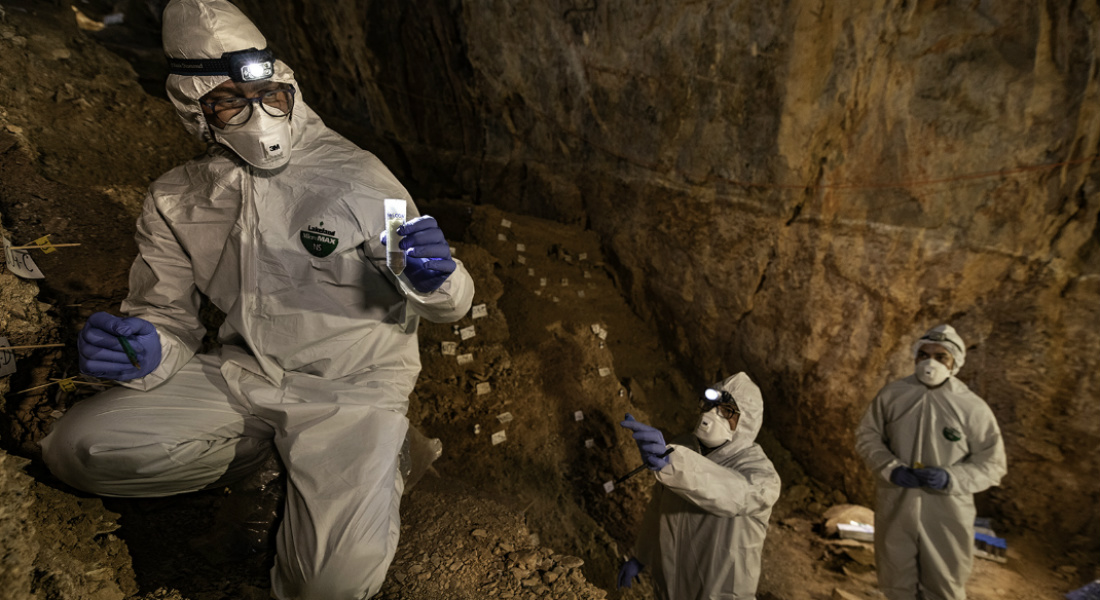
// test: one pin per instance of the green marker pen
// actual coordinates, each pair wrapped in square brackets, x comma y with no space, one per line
[130,354]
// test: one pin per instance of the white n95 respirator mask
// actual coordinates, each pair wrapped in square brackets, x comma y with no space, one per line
[263,142]
[932,372]
[713,430]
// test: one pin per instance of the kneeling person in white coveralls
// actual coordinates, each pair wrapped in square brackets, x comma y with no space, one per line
[932,444]
[279,225]
[703,533]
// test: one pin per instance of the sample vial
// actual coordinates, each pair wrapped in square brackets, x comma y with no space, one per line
[395,218]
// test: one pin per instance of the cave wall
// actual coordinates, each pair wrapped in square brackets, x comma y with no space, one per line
[795,188]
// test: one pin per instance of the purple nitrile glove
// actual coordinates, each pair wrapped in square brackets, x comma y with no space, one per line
[428,261]
[102,355]
[629,572]
[933,477]
[904,477]
[651,443]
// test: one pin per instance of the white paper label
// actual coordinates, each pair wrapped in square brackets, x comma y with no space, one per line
[582,256]
[580,293]
[464,359]
[587,275]
[7,359]
[603,334]
[609,487]
[499,437]
[521,259]
[467,332]
[530,272]
[521,247]
[604,371]
[479,311]
[449,348]
[505,417]
[21,263]
[578,415]
[483,388]
[505,223]
[555,299]
[542,282]
[596,328]
[590,443]
[502,237]
[564,281]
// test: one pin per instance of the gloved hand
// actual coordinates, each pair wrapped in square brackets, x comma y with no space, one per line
[428,261]
[933,477]
[904,477]
[102,355]
[651,443]
[628,572]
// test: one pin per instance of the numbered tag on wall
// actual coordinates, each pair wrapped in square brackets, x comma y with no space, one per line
[7,359]
[20,262]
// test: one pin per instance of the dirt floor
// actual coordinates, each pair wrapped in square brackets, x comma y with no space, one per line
[562,354]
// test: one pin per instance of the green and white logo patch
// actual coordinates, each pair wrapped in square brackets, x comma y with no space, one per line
[319,241]
[952,434]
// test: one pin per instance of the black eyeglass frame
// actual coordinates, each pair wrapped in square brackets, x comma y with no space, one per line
[726,410]
[249,106]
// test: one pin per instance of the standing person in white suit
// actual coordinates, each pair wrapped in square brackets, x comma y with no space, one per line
[703,532]
[279,225]
[932,444]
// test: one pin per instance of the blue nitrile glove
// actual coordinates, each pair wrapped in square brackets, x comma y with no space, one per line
[102,355]
[428,261]
[932,477]
[651,443]
[904,477]
[628,572]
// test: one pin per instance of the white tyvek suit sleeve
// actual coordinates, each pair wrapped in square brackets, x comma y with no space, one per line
[448,303]
[163,292]
[716,489]
[986,463]
[871,444]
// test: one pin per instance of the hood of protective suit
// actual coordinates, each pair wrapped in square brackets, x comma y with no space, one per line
[948,338]
[206,29]
[751,403]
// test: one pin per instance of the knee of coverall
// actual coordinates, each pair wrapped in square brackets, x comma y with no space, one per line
[67,453]
[339,578]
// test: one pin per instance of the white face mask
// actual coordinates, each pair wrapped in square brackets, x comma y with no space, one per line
[932,372]
[713,430]
[263,142]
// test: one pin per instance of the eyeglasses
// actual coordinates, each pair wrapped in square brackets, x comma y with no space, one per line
[726,410]
[235,110]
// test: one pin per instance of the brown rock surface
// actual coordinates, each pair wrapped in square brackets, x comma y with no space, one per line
[796,190]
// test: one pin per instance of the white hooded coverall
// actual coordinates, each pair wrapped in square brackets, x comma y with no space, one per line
[703,532]
[319,347]
[925,536]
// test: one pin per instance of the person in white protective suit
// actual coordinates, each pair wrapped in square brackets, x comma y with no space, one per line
[932,444]
[703,532]
[279,225]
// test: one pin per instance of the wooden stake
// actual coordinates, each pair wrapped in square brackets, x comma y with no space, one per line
[43,247]
[4,348]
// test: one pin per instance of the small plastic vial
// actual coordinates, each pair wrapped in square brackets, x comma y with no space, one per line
[395,218]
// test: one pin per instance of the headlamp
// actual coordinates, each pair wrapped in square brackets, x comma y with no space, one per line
[720,396]
[240,66]
[939,337]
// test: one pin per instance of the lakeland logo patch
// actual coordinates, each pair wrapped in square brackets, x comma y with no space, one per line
[319,241]
[952,434]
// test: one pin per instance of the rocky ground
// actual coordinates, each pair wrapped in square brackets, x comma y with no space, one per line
[553,363]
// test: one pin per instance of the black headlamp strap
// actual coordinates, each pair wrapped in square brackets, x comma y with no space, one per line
[228,65]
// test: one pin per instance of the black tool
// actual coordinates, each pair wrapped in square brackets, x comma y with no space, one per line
[639,469]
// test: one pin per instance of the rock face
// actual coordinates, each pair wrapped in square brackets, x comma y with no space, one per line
[794,189]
